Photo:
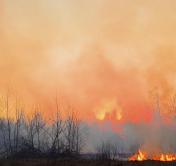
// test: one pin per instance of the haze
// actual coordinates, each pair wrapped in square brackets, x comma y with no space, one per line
[105,57]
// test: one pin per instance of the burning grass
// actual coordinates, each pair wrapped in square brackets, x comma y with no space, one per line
[142,156]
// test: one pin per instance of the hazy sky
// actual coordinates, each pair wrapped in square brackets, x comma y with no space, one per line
[106,57]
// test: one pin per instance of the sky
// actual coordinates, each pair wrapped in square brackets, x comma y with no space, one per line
[109,59]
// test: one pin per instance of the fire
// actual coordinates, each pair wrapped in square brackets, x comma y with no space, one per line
[100,115]
[108,107]
[167,157]
[119,115]
[141,156]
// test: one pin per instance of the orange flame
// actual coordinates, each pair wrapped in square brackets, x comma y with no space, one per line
[141,156]
[167,157]
[108,107]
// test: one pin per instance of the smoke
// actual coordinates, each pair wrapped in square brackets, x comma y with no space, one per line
[91,53]
[154,138]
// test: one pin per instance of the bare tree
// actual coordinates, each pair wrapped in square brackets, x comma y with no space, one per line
[19,118]
[57,131]
[39,127]
[8,125]
[73,134]
[106,151]
[30,131]
[4,143]
[69,133]
[21,134]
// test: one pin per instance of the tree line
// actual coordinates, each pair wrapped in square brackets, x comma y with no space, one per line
[24,136]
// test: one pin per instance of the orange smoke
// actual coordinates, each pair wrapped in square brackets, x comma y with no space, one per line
[104,57]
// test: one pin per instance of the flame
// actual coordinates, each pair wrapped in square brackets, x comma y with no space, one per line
[108,107]
[167,157]
[119,115]
[141,156]
[100,115]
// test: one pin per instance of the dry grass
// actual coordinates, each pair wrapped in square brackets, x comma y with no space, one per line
[44,162]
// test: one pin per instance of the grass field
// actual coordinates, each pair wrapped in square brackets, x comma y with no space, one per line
[43,162]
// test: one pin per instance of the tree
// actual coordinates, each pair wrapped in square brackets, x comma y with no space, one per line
[73,135]
[106,151]
[18,121]
[57,131]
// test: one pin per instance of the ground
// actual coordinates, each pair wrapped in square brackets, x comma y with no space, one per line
[44,162]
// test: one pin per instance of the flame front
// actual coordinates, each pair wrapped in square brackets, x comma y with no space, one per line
[167,157]
[141,156]
[109,108]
